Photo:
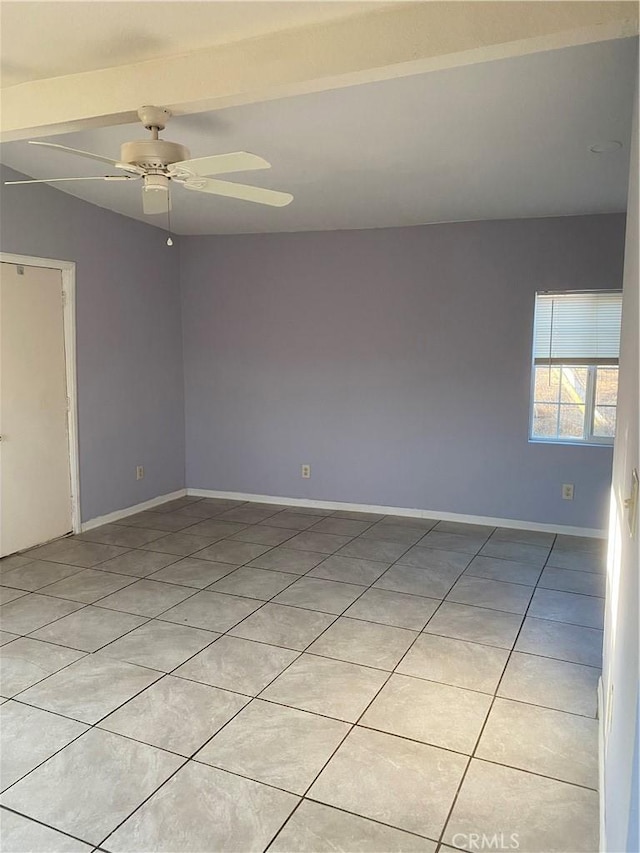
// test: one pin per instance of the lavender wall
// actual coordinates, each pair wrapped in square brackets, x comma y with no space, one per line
[129,347]
[395,361]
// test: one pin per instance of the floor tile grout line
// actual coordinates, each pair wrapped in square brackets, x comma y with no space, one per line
[271,601]
[241,566]
[371,819]
[394,670]
[192,758]
[298,656]
[201,764]
[46,825]
[465,755]
[92,726]
[570,592]
[157,680]
[180,557]
[297,577]
[330,513]
[95,724]
[104,645]
[269,785]
[467,767]
[532,772]
[368,705]
[91,603]
[133,549]
[40,680]
[282,826]
[8,586]
[562,660]
[140,805]
[525,616]
[196,590]
[268,549]
[293,581]
[262,521]
[398,561]
[44,760]
[486,720]
[495,696]
[53,621]
[308,571]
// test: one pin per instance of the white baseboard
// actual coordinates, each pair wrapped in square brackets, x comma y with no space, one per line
[131,510]
[342,505]
[407,512]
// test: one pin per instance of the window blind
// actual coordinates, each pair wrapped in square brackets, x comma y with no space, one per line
[577,327]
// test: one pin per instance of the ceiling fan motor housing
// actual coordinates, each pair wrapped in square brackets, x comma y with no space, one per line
[153,153]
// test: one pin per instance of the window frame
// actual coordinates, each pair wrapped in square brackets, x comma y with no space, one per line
[592,365]
[589,406]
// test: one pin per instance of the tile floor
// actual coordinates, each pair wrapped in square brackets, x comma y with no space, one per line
[216,676]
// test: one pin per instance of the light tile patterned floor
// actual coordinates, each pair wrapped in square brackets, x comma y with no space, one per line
[214,676]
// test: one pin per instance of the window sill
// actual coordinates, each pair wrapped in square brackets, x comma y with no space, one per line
[570,442]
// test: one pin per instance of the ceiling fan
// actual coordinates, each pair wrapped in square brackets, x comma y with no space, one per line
[158,162]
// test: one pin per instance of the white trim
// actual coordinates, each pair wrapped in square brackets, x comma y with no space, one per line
[68,270]
[412,513]
[131,510]
[601,725]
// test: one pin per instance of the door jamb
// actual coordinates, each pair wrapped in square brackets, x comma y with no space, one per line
[68,270]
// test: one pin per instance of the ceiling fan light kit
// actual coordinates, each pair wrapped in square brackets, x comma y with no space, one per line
[159,161]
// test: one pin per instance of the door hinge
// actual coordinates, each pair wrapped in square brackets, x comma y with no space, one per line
[68,404]
[631,503]
[64,298]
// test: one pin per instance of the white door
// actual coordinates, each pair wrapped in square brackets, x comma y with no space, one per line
[35,480]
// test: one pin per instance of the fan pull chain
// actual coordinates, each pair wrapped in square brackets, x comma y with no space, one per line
[169,240]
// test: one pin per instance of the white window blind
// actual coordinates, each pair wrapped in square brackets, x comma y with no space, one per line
[577,327]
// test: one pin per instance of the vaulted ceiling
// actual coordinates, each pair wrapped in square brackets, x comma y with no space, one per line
[448,129]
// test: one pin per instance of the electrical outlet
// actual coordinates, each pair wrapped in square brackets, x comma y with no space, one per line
[567,491]
[140,472]
[305,471]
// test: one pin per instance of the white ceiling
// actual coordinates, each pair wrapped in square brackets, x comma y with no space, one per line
[502,139]
[52,38]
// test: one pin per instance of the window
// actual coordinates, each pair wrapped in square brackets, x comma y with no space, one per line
[576,344]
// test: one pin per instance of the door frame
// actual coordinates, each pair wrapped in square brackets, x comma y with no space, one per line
[68,270]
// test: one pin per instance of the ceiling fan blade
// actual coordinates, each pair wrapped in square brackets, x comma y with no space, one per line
[219,164]
[241,191]
[92,178]
[155,201]
[74,151]
[89,156]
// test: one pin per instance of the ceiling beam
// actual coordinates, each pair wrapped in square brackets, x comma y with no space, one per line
[393,41]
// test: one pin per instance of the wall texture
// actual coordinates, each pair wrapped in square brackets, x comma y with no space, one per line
[129,345]
[396,362]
